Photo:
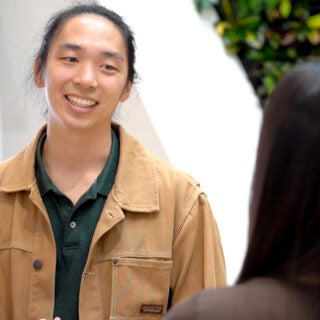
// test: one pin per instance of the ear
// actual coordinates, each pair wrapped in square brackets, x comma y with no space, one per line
[37,74]
[126,91]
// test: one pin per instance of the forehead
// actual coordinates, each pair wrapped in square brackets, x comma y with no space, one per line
[90,29]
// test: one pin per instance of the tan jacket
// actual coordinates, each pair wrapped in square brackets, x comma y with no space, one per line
[156,232]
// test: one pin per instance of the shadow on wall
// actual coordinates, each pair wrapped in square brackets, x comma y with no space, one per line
[133,116]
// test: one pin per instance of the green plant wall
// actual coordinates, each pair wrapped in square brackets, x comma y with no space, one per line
[269,36]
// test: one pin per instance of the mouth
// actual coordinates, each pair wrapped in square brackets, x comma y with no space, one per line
[80,102]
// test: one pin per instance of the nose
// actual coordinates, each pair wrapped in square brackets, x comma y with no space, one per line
[85,76]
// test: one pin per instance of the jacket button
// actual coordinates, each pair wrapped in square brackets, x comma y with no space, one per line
[114,262]
[37,264]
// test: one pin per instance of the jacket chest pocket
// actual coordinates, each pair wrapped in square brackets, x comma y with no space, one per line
[140,288]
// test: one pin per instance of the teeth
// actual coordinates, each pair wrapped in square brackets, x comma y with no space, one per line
[83,103]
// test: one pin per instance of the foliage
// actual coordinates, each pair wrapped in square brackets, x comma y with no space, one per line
[269,36]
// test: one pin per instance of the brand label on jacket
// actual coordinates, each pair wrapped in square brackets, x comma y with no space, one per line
[151,308]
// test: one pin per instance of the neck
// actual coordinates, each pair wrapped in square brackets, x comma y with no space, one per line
[76,149]
[73,160]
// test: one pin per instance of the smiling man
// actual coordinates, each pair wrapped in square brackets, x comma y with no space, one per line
[93,226]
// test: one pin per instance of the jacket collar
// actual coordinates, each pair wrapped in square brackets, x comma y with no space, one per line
[135,187]
[136,184]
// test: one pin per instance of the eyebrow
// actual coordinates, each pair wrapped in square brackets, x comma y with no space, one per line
[106,53]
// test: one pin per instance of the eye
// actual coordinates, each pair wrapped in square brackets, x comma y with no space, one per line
[108,67]
[70,59]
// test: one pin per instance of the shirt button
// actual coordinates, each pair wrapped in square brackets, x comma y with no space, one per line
[72,224]
[37,264]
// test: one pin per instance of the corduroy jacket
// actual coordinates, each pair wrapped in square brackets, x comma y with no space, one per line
[156,234]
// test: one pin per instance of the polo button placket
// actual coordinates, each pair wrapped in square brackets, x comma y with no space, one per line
[72,224]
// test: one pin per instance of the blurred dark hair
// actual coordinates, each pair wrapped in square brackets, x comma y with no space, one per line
[60,18]
[284,232]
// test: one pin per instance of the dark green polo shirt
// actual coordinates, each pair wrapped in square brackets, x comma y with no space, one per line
[73,227]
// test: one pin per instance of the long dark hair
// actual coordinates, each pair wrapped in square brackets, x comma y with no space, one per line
[284,232]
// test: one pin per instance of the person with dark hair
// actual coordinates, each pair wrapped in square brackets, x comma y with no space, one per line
[93,226]
[280,276]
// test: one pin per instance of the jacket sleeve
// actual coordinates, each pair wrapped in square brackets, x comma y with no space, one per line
[198,259]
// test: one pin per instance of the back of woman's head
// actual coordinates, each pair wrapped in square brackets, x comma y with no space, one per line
[284,236]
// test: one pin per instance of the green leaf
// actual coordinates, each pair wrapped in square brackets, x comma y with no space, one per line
[285,8]
[300,12]
[253,41]
[249,22]
[254,55]
[269,83]
[313,22]
[227,9]
[271,4]
[314,37]
[233,35]
[292,53]
[221,26]
[274,43]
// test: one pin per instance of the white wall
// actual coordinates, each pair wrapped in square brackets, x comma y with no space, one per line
[202,106]
[21,24]
[1,148]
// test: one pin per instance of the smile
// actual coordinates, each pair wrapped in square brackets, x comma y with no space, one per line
[82,103]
